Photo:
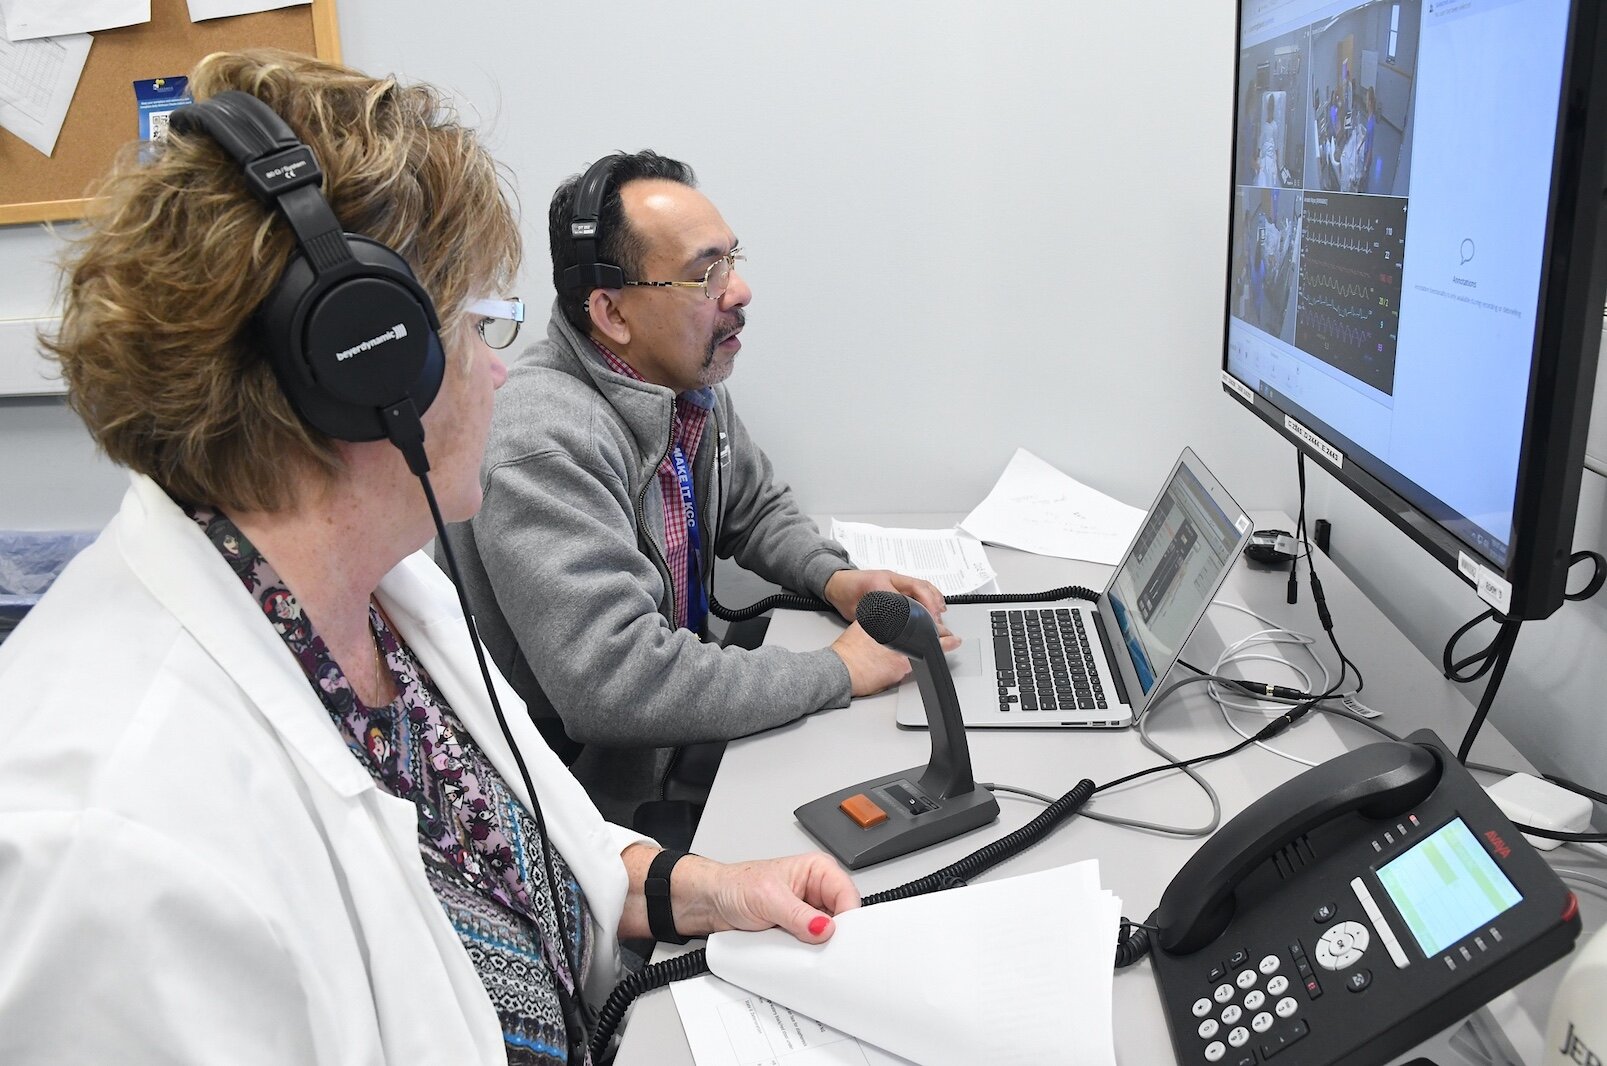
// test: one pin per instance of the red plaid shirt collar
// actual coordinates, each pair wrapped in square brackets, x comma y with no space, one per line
[690,420]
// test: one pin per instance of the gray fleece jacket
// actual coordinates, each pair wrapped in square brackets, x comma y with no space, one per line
[564,569]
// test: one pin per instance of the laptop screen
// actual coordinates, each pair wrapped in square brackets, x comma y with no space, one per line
[1171,571]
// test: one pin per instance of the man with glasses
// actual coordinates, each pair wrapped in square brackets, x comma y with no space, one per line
[617,471]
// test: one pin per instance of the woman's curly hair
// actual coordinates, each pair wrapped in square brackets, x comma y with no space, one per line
[154,345]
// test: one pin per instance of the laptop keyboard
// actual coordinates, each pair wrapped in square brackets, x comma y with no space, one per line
[1044,661]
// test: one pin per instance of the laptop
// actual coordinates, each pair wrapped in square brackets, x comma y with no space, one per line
[1080,665]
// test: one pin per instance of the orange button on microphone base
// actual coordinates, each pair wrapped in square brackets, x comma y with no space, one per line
[863,810]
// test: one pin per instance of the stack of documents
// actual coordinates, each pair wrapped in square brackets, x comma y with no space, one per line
[953,563]
[1016,971]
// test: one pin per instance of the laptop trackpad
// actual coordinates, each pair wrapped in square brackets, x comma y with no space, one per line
[966,660]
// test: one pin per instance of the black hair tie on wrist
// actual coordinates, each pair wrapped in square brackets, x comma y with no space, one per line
[660,916]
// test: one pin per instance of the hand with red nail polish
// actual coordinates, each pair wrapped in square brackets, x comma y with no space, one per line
[798,893]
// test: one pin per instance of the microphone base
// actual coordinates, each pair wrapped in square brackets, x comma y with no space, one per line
[905,818]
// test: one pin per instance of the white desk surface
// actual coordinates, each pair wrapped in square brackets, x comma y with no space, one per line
[765,776]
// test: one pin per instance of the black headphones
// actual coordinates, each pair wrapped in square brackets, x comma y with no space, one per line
[351,335]
[585,230]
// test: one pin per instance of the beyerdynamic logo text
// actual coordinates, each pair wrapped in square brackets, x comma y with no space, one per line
[395,333]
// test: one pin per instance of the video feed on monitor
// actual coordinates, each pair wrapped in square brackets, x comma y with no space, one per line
[1363,64]
[1393,168]
[1266,258]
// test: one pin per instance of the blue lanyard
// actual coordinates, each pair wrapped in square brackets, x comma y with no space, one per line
[697,599]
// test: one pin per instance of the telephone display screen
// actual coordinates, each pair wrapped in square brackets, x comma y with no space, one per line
[1446,887]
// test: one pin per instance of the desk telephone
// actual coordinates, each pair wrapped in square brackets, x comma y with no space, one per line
[1353,912]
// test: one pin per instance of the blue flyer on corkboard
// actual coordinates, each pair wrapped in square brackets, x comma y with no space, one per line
[157,99]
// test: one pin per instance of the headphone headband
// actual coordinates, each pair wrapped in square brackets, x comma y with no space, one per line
[585,230]
[352,337]
[280,170]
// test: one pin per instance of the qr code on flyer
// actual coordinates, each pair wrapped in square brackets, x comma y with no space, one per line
[159,126]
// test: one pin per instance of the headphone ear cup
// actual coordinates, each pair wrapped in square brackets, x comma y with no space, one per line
[345,347]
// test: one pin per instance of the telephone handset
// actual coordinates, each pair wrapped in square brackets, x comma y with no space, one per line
[1378,781]
[1353,912]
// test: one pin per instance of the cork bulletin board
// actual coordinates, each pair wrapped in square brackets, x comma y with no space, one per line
[103,115]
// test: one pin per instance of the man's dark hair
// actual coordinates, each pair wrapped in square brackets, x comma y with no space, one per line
[619,245]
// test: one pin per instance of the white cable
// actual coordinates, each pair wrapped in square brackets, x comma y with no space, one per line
[1137,823]
[1582,877]
[1238,652]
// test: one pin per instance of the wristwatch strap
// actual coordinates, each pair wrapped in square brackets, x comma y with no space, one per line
[660,917]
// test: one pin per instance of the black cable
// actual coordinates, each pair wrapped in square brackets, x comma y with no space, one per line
[1494,657]
[1253,688]
[1499,655]
[792,601]
[573,1006]
[1293,593]
[1132,943]
[1482,660]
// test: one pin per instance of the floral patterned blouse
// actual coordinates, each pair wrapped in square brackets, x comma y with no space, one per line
[482,850]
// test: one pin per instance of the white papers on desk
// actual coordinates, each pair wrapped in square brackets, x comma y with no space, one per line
[27,20]
[953,563]
[727,1026]
[1012,973]
[1036,508]
[37,81]
[217,9]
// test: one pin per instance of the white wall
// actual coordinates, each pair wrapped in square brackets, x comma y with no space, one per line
[971,227]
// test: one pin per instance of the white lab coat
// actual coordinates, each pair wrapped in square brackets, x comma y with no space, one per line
[194,868]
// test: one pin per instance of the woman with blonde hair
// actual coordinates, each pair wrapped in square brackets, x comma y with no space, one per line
[259,801]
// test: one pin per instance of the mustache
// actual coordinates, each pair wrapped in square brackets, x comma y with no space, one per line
[731,325]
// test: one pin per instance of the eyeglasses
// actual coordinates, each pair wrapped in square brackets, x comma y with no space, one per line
[715,281]
[499,320]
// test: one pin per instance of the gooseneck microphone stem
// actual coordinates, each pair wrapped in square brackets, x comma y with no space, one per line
[913,808]
[902,624]
[948,772]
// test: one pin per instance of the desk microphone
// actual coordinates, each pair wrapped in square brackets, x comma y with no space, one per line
[903,812]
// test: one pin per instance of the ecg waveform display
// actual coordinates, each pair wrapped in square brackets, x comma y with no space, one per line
[1348,304]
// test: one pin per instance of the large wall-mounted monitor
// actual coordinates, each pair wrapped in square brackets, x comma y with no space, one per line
[1415,275]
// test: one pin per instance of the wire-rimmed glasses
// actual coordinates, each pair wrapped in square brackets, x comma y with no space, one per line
[716,279]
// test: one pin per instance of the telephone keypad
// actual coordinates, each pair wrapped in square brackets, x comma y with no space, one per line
[1243,1033]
